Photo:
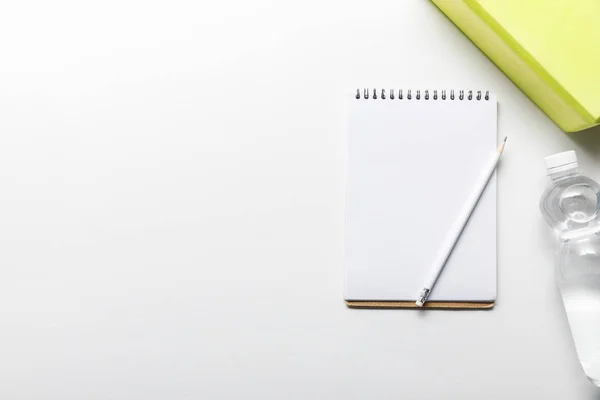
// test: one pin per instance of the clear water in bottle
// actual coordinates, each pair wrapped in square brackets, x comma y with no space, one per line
[571,206]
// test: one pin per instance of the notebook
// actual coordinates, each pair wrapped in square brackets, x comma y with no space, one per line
[414,157]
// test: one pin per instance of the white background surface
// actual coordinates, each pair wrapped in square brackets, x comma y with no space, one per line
[172,208]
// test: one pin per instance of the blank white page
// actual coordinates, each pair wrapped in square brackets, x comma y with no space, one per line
[412,164]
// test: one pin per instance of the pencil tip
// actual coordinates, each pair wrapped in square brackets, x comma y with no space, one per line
[500,148]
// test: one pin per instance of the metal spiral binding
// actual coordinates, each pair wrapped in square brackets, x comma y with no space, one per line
[400,94]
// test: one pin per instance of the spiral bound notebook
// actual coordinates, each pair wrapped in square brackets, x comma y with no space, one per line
[414,157]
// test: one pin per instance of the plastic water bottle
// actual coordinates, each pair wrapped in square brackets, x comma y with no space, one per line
[571,206]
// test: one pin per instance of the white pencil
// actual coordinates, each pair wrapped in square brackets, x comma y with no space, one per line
[460,224]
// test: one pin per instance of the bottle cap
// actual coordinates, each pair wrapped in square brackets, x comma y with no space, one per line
[561,162]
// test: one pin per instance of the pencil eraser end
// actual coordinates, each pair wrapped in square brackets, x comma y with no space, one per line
[419,303]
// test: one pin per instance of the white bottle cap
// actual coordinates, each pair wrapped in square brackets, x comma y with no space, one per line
[561,162]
